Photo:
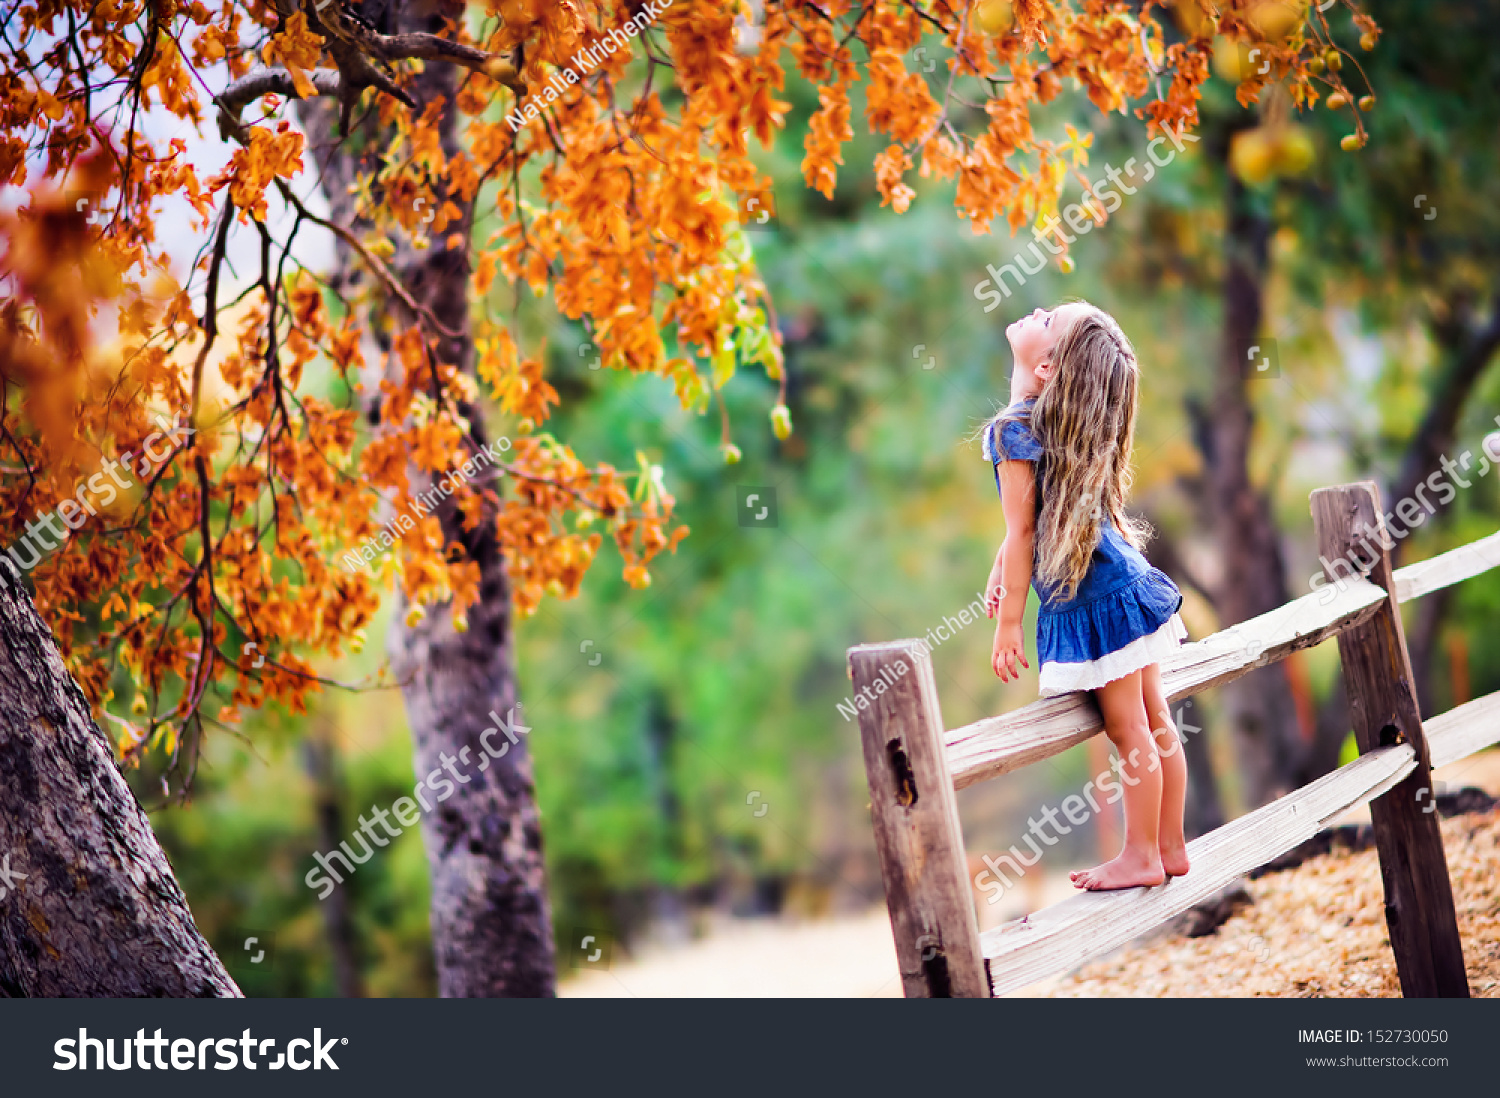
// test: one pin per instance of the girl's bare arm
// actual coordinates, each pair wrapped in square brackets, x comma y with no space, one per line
[1018,501]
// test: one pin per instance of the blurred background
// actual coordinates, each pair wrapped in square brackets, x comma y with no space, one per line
[703,797]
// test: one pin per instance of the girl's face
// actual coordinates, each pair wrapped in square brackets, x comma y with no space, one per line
[1032,339]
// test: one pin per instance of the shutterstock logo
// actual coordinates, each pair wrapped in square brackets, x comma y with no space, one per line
[189,1055]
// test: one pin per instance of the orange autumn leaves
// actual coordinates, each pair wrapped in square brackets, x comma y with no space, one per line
[620,201]
[252,168]
[298,48]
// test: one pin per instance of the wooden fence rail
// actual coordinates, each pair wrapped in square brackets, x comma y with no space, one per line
[914,768]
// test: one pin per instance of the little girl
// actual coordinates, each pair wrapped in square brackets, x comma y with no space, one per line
[1061,452]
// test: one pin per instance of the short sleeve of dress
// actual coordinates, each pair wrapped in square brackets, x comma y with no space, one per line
[1011,440]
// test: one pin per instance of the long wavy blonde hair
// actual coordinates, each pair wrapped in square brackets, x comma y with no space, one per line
[1084,419]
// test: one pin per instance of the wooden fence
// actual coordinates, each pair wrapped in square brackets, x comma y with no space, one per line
[915,768]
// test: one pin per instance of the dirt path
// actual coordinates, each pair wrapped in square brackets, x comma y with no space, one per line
[849,957]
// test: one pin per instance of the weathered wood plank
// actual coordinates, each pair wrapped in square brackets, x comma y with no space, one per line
[1046,727]
[915,814]
[1465,562]
[1060,937]
[1419,911]
[1057,938]
[1463,730]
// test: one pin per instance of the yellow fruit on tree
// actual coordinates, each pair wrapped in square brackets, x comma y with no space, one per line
[1293,151]
[781,422]
[1367,42]
[1337,100]
[1192,19]
[1275,19]
[103,487]
[1367,102]
[1066,265]
[1332,59]
[1252,155]
[1350,142]
[995,16]
[1232,59]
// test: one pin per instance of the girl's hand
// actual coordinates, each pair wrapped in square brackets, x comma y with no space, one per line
[1009,648]
[994,590]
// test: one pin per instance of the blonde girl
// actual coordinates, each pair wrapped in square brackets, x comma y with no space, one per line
[1061,454]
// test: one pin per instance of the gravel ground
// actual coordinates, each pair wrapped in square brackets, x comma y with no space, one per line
[1313,931]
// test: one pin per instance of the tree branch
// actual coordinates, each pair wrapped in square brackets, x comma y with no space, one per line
[247,89]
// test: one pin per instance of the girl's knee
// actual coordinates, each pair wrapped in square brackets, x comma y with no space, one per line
[1130,730]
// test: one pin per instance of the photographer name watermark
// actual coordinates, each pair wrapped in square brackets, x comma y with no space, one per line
[403,523]
[889,676]
[584,61]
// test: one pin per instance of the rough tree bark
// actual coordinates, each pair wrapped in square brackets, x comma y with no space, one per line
[1259,707]
[88,902]
[491,922]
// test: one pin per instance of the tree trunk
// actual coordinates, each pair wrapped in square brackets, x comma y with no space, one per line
[88,902]
[1259,708]
[491,922]
[343,940]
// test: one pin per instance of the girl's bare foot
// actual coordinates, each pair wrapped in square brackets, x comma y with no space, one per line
[1130,870]
[1174,859]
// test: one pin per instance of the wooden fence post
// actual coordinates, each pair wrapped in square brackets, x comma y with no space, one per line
[1383,709]
[915,814]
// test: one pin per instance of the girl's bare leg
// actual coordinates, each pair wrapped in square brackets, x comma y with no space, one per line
[1170,840]
[1138,772]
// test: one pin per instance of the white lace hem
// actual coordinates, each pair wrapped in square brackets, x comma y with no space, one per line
[1064,678]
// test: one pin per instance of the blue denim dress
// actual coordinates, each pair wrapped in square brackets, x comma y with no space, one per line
[1123,616]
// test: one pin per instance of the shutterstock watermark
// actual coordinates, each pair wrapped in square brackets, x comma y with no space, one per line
[1081,218]
[1408,513]
[86,1053]
[1077,809]
[326,878]
[97,493]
